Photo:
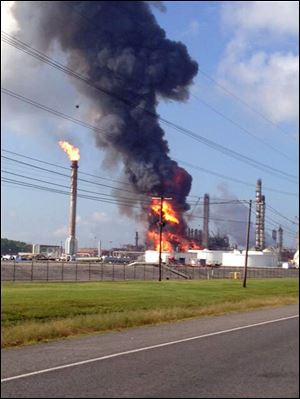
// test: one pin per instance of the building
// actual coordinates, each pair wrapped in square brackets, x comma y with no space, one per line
[187,258]
[51,251]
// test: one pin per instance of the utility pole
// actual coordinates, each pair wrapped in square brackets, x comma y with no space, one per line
[247,244]
[161,225]
[99,249]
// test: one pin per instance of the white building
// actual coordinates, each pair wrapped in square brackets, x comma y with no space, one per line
[186,258]
[208,257]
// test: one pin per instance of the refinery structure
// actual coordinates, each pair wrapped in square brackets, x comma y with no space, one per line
[169,239]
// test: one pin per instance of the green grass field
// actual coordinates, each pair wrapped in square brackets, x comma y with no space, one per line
[38,312]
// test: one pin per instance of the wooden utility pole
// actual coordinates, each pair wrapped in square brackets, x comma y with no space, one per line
[247,244]
[160,235]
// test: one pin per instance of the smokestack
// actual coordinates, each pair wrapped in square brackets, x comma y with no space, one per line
[71,242]
[262,222]
[280,243]
[274,237]
[133,65]
[136,239]
[258,244]
[205,221]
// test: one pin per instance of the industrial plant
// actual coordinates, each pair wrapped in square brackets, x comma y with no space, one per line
[174,244]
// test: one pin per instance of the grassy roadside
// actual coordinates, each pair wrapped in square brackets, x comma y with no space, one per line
[38,312]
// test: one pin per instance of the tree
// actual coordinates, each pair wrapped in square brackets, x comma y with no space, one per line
[13,247]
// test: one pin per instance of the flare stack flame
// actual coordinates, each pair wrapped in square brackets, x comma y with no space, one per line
[118,47]
[73,154]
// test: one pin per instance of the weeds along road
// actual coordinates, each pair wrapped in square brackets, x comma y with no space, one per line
[252,354]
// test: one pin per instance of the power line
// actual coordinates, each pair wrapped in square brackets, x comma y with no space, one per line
[178,160]
[130,200]
[203,140]
[237,98]
[79,179]
[243,102]
[232,178]
[280,214]
[126,199]
[267,144]
[240,157]
[56,191]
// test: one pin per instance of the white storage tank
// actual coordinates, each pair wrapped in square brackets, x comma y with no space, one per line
[255,259]
[153,256]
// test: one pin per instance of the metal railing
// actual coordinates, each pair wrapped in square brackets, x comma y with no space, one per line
[92,271]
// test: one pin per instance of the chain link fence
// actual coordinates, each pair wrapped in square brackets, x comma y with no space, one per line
[92,271]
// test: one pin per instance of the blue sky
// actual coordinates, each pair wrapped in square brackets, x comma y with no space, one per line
[250,48]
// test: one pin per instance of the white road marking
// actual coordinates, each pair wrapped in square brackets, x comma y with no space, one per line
[145,349]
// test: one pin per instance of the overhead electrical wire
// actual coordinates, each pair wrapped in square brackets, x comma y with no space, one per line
[203,140]
[265,168]
[132,200]
[56,191]
[228,92]
[232,178]
[247,131]
[243,102]
[178,160]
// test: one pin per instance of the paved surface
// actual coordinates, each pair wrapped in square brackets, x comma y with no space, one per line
[206,361]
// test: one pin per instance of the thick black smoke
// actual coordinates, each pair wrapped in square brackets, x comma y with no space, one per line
[120,47]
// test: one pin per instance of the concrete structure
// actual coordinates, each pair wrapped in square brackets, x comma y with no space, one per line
[264,258]
[71,242]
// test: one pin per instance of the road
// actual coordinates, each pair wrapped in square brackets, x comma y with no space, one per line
[252,354]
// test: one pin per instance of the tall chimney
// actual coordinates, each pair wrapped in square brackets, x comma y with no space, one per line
[280,243]
[136,239]
[258,244]
[205,221]
[71,242]
[262,221]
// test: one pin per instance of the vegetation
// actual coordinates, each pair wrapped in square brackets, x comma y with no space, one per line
[13,247]
[34,312]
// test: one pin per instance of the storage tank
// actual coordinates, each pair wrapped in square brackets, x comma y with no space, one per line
[255,259]
[152,256]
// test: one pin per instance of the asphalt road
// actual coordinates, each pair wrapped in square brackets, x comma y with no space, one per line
[253,355]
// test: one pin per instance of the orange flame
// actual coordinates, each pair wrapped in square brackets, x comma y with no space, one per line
[168,212]
[73,152]
[170,240]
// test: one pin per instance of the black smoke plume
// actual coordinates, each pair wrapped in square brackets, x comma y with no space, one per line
[120,47]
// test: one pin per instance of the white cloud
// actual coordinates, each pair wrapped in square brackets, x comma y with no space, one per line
[61,232]
[266,78]
[277,17]
[100,217]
